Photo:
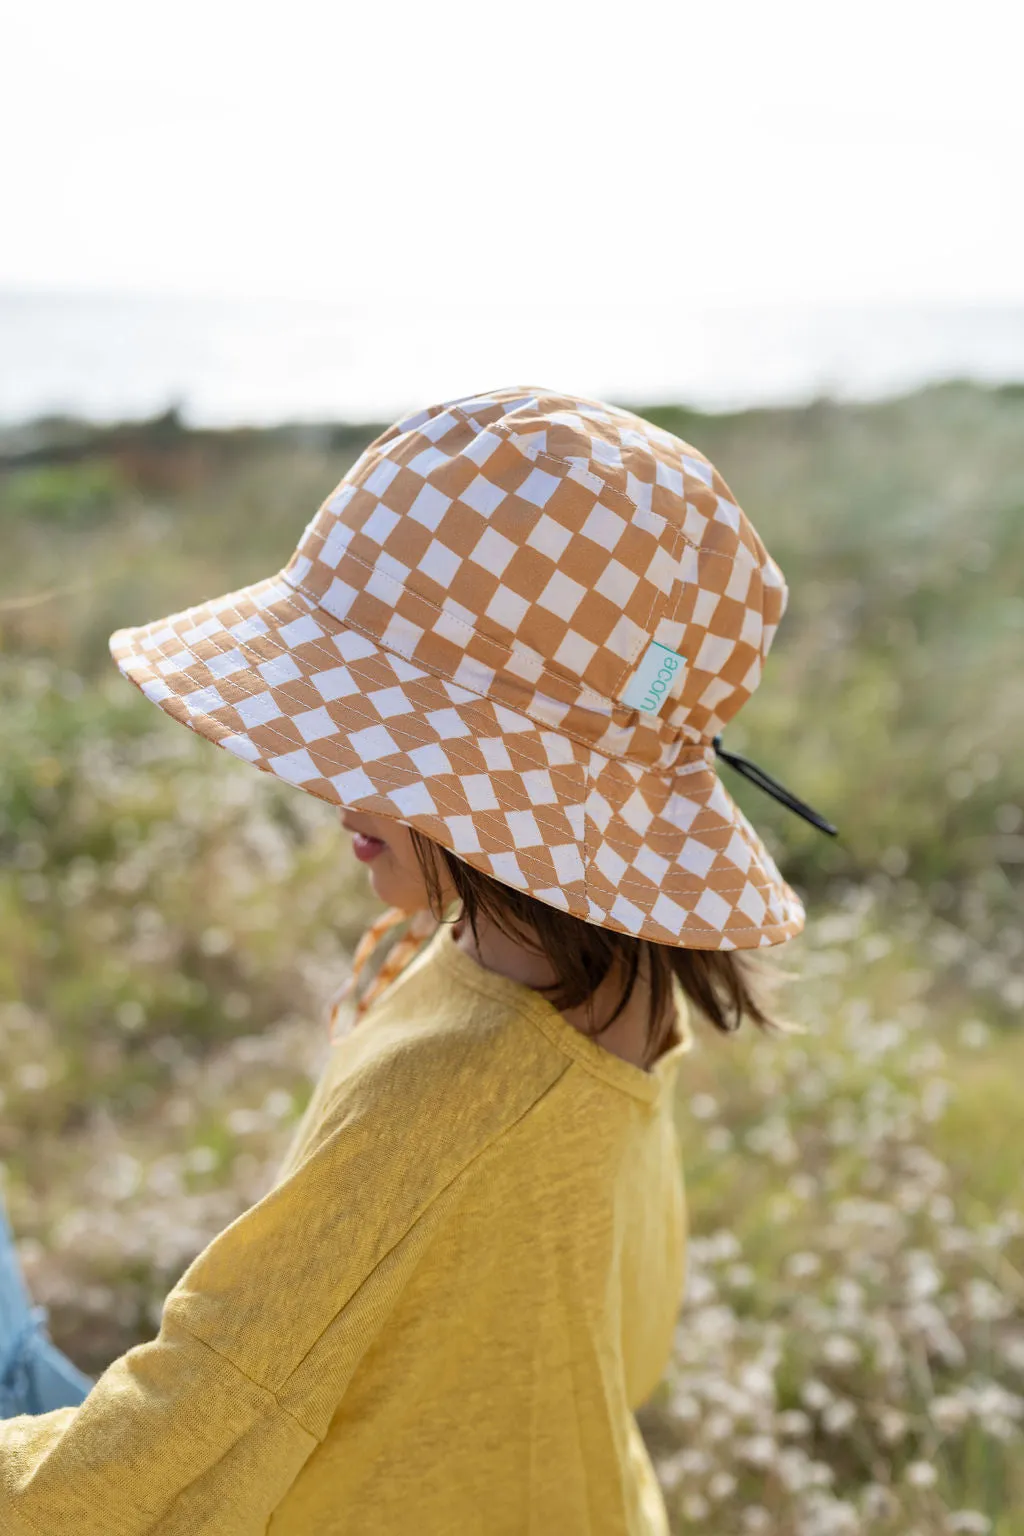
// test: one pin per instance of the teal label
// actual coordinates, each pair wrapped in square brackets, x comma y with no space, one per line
[660,672]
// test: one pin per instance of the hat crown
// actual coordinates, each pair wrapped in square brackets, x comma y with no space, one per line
[530,546]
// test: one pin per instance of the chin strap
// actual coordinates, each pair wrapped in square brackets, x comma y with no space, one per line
[765,781]
[353,999]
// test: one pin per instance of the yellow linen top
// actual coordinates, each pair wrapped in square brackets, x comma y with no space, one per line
[438,1320]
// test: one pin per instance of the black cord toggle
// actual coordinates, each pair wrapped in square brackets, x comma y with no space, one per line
[765,781]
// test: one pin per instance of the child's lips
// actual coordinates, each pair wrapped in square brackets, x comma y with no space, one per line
[367,848]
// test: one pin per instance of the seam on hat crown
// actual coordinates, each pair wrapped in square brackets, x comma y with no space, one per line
[659,601]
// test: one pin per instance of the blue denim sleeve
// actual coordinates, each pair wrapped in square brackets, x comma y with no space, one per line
[35,1376]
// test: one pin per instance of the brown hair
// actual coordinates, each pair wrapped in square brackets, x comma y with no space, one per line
[725,985]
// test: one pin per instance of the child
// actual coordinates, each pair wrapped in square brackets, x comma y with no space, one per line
[504,648]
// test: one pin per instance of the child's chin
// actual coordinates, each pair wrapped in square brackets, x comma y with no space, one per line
[392,891]
[385,887]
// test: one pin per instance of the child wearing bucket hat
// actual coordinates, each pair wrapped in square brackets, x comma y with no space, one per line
[505,647]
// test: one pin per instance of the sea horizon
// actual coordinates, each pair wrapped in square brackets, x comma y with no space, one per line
[224,362]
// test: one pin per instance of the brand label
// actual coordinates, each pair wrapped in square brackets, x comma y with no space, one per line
[660,672]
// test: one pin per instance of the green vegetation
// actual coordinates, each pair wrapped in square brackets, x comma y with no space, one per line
[851,1346]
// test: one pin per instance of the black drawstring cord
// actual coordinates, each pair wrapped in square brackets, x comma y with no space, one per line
[765,781]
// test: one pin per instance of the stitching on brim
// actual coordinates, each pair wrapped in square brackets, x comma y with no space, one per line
[443,794]
[357,702]
[575,781]
[451,747]
[541,871]
[489,821]
[387,776]
[512,650]
[332,655]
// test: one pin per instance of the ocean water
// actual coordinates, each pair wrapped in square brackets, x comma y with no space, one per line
[224,361]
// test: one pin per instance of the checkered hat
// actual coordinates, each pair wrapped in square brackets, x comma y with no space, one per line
[518,624]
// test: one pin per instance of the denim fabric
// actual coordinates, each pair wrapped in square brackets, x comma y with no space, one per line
[34,1375]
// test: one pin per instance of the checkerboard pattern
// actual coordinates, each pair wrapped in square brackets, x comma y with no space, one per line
[449,645]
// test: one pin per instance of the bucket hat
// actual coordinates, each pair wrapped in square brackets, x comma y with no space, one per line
[519,624]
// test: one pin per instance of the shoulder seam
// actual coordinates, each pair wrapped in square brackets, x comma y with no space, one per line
[261,1386]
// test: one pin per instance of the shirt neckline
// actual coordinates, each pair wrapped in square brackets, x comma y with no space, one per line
[596,1059]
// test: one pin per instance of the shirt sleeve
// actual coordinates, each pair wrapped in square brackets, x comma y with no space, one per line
[202,1431]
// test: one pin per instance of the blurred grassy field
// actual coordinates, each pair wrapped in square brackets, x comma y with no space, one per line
[851,1349]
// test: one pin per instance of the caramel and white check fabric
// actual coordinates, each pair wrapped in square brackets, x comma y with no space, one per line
[450,643]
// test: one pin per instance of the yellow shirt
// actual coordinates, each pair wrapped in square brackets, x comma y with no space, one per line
[439,1320]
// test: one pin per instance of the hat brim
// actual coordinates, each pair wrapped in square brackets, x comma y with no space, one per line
[273,678]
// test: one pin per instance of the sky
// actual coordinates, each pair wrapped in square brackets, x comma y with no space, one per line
[807,151]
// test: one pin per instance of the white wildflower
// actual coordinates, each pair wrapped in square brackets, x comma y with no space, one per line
[684,1406]
[740,1276]
[704,1106]
[838,1416]
[971,1521]
[997,1410]
[244,1122]
[892,1424]
[985,1302]
[756,1450]
[756,1520]
[278,1103]
[719,1426]
[949,1412]
[721,1485]
[719,1247]
[815,1393]
[802,1185]
[923,1279]
[694,1461]
[802,1263]
[32,1076]
[839,1350]
[850,1295]
[757,1380]
[200,1159]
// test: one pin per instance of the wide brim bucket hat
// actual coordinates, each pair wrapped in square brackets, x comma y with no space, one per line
[518,624]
